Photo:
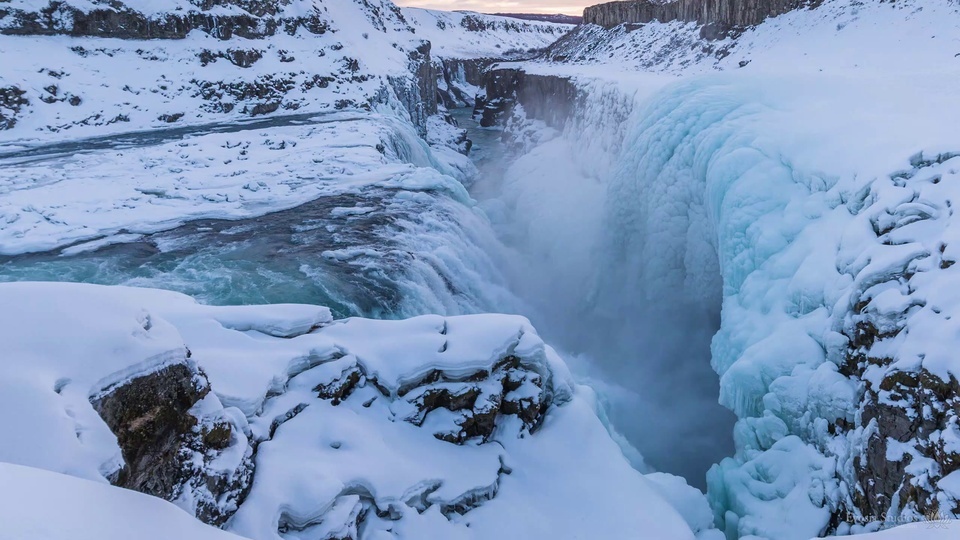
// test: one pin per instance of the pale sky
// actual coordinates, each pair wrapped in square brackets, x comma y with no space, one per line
[571,7]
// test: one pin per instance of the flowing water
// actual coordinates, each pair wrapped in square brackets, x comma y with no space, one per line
[371,253]
[648,359]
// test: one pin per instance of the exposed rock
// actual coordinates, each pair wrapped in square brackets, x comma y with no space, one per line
[170,118]
[117,20]
[908,418]
[509,390]
[239,57]
[456,78]
[11,103]
[419,94]
[482,401]
[166,447]
[543,97]
[723,13]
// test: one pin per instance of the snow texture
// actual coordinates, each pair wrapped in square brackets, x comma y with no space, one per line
[325,464]
[85,510]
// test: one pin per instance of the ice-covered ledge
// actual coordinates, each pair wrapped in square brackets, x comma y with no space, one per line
[821,206]
[286,420]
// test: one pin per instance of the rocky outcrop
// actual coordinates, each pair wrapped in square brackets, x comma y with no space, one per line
[419,93]
[908,417]
[120,21]
[458,79]
[724,13]
[168,444]
[12,101]
[544,97]
[479,401]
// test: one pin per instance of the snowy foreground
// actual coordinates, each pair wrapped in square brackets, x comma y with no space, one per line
[432,427]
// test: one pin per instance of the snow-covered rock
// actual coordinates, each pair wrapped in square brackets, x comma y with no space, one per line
[456,427]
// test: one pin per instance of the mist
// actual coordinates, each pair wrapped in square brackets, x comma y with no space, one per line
[632,310]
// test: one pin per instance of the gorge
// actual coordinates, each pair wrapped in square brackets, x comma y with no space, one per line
[731,221]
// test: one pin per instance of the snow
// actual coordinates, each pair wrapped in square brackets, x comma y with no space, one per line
[777,186]
[911,35]
[938,529]
[451,36]
[43,505]
[209,175]
[757,191]
[317,459]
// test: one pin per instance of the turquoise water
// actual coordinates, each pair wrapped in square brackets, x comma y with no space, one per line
[278,257]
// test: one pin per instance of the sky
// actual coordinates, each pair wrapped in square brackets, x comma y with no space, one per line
[572,7]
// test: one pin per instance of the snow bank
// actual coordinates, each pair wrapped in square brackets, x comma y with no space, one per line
[42,505]
[352,423]
[832,37]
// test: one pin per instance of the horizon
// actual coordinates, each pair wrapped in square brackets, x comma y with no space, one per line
[549,7]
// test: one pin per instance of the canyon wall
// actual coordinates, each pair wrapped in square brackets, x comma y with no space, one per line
[727,13]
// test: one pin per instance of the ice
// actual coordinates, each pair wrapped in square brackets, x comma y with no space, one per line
[748,216]
[776,198]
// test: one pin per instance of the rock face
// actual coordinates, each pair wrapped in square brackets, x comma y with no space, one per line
[908,417]
[419,94]
[313,67]
[476,403]
[725,13]
[12,100]
[175,436]
[458,79]
[167,447]
[120,21]
[543,97]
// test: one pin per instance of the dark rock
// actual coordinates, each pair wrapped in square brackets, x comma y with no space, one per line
[170,118]
[339,389]
[453,75]
[544,97]
[218,437]
[264,108]
[117,20]
[149,415]
[723,14]
[165,448]
[419,93]
[481,401]
[12,101]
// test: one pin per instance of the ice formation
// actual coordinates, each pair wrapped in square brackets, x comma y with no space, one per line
[781,192]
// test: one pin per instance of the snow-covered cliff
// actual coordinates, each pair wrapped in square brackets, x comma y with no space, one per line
[805,193]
